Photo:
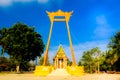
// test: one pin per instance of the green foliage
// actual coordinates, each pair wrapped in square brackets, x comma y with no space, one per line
[113,55]
[116,65]
[9,64]
[80,63]
[69,63]
[12,65]
[21,42]
[90,59]
[3,41]
[86,60]
[4,63]
[42,60]
[114,45]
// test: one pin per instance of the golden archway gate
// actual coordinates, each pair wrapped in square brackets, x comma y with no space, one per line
[59,16]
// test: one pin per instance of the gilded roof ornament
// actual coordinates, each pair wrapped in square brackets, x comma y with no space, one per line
[59,13]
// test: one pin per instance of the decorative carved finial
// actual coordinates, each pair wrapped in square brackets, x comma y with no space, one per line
[66,15]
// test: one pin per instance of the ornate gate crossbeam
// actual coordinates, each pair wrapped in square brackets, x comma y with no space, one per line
[59,16]
[65,15]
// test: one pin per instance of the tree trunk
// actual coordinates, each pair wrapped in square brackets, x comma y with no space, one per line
[18,68]
[90,69]
[98,66]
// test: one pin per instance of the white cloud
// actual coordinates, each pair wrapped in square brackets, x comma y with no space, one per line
[43,1]
[103,29]
[23,0]
[5,2]
[78,49]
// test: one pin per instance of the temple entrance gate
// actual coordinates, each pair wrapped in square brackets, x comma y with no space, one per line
[59,61]
[59,16]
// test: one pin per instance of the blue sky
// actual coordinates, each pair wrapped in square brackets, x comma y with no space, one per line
[92,23]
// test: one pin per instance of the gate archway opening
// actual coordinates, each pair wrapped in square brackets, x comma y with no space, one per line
[59,16]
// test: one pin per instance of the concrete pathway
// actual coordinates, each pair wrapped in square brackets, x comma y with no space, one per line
[59,72]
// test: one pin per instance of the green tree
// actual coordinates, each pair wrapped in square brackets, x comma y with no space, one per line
[91,59]
[96,54]
[3,41]
[4,63]
[22,43]
[107,61]
[103,64]
[69,63]
[87,61]
[12,65]
[114,44]
[42,60]
[113,56]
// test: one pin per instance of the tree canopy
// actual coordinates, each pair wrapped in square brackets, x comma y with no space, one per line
[21,42]
[91,59]
[114,44]
[105,61]
[113,56]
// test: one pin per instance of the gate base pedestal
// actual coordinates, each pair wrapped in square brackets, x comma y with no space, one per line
[75,70]
[42,70]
